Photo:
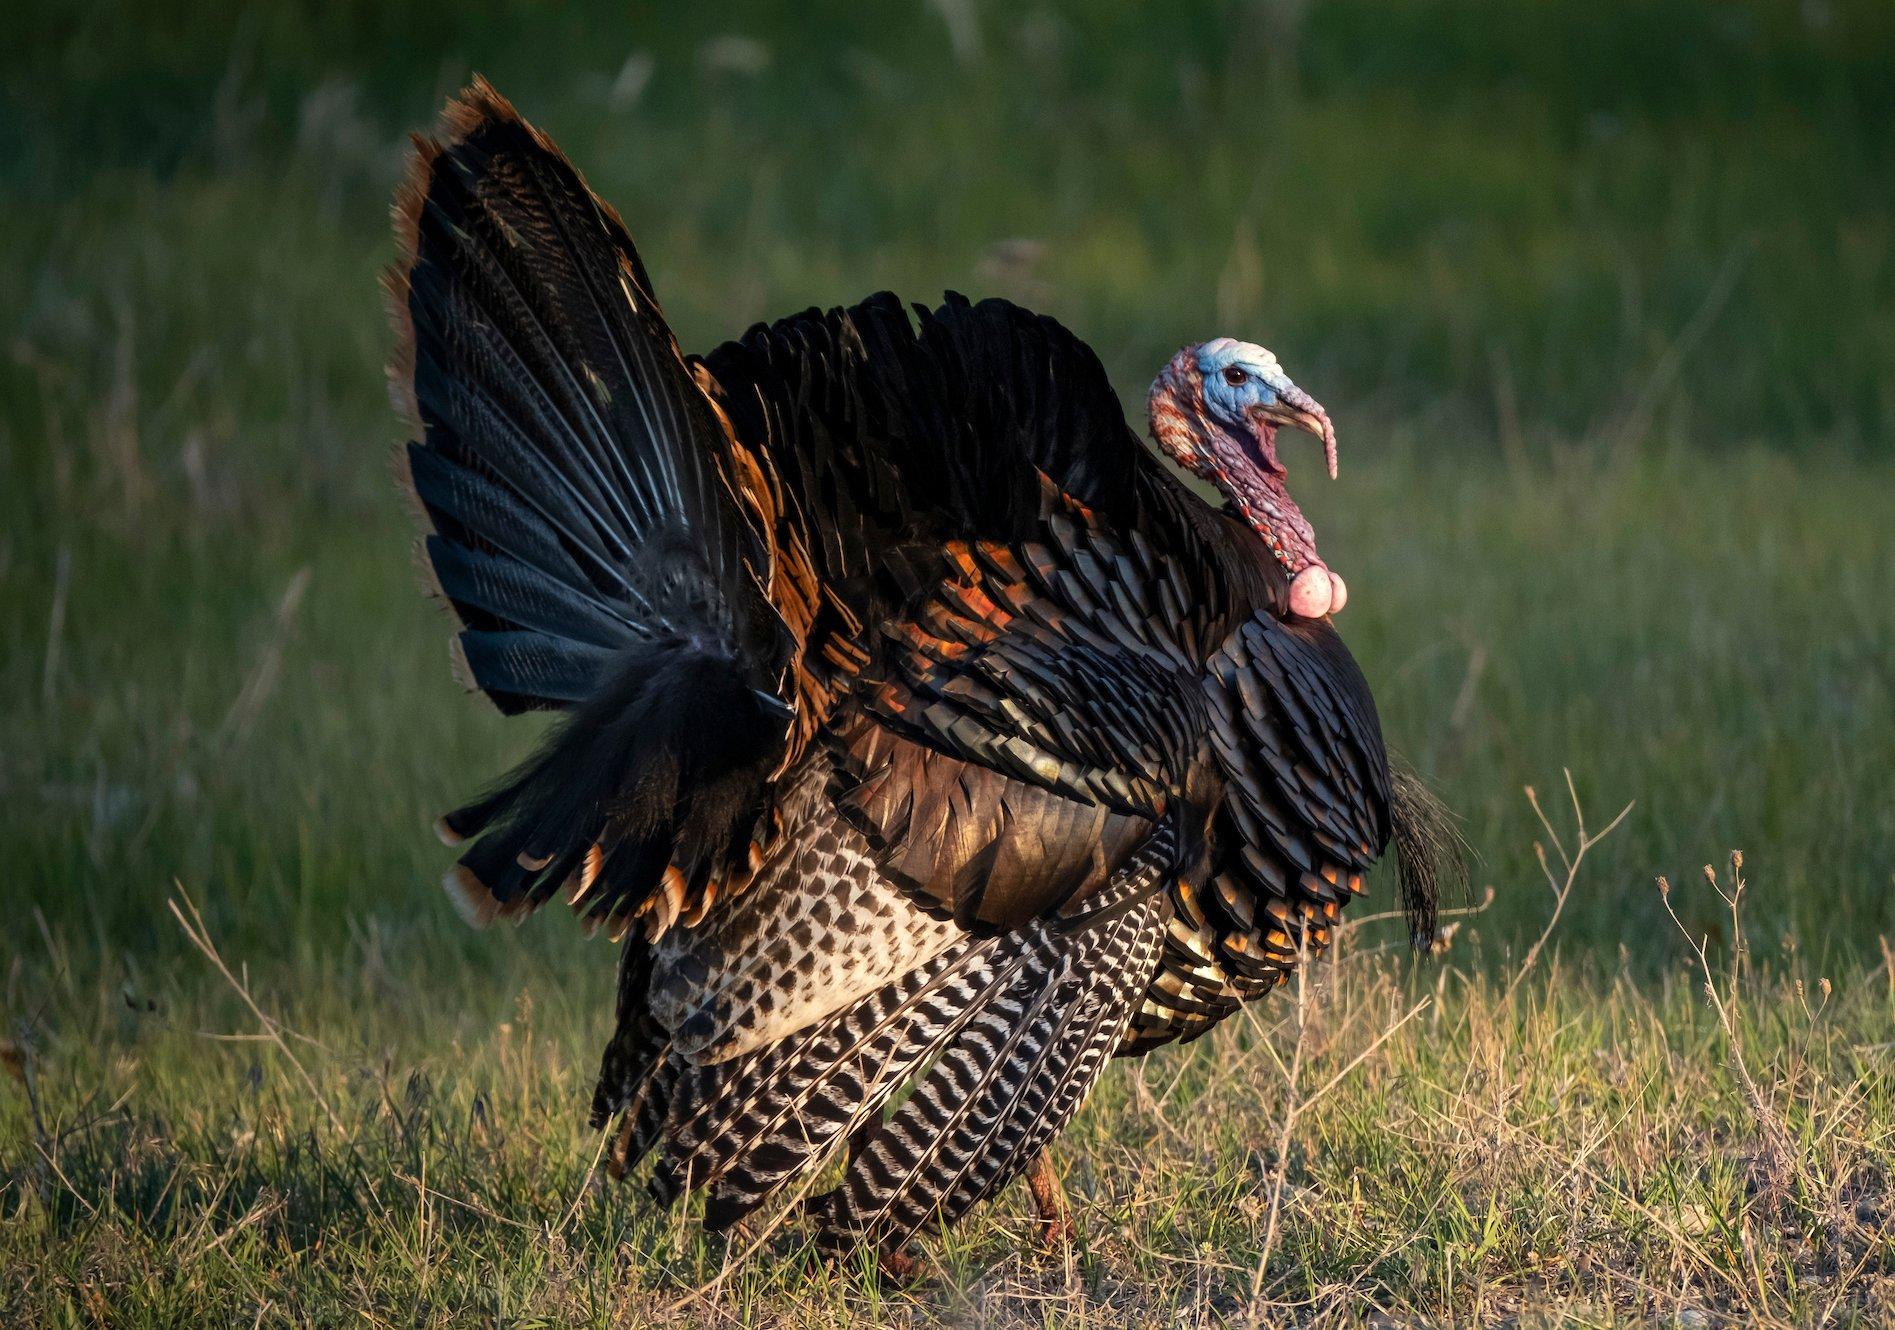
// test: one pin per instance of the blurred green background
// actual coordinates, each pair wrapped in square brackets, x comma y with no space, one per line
[1602,296]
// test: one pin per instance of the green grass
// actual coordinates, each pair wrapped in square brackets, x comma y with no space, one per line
[1420,1139]
[1603,298]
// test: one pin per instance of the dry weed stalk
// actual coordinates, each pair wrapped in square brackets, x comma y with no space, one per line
[241,719]
[1776,1148]
[269,1029]
[1299,1105]
[1562,886]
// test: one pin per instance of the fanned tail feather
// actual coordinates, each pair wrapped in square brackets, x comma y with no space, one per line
[586,532]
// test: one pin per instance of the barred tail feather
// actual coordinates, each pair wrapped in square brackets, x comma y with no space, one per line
[789,1105]
[837,1082]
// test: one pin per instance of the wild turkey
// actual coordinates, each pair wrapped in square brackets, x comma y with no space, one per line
[932,740]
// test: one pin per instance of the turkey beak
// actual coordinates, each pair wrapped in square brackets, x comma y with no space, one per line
[1298,410]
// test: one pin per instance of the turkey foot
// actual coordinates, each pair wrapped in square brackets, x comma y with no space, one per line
[1049,1201]
[899,1266]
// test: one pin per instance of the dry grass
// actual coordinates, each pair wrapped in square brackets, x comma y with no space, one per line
[1398,1141]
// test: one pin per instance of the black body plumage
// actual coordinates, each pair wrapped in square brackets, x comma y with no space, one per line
[932,741]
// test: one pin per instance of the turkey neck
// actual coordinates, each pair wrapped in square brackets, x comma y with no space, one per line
[1244,469]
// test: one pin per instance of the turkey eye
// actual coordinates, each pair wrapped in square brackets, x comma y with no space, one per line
[1235,377]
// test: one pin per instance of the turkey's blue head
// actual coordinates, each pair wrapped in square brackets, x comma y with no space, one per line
[1215,410]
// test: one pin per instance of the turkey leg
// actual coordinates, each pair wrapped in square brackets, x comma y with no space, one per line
[1049,1201]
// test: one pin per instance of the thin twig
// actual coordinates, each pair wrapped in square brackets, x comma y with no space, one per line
[195,929]
[1298,1106]
[261,682]
[56,624]
[485,1212]
[1562,889]
[1347,924]
[579,1194]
